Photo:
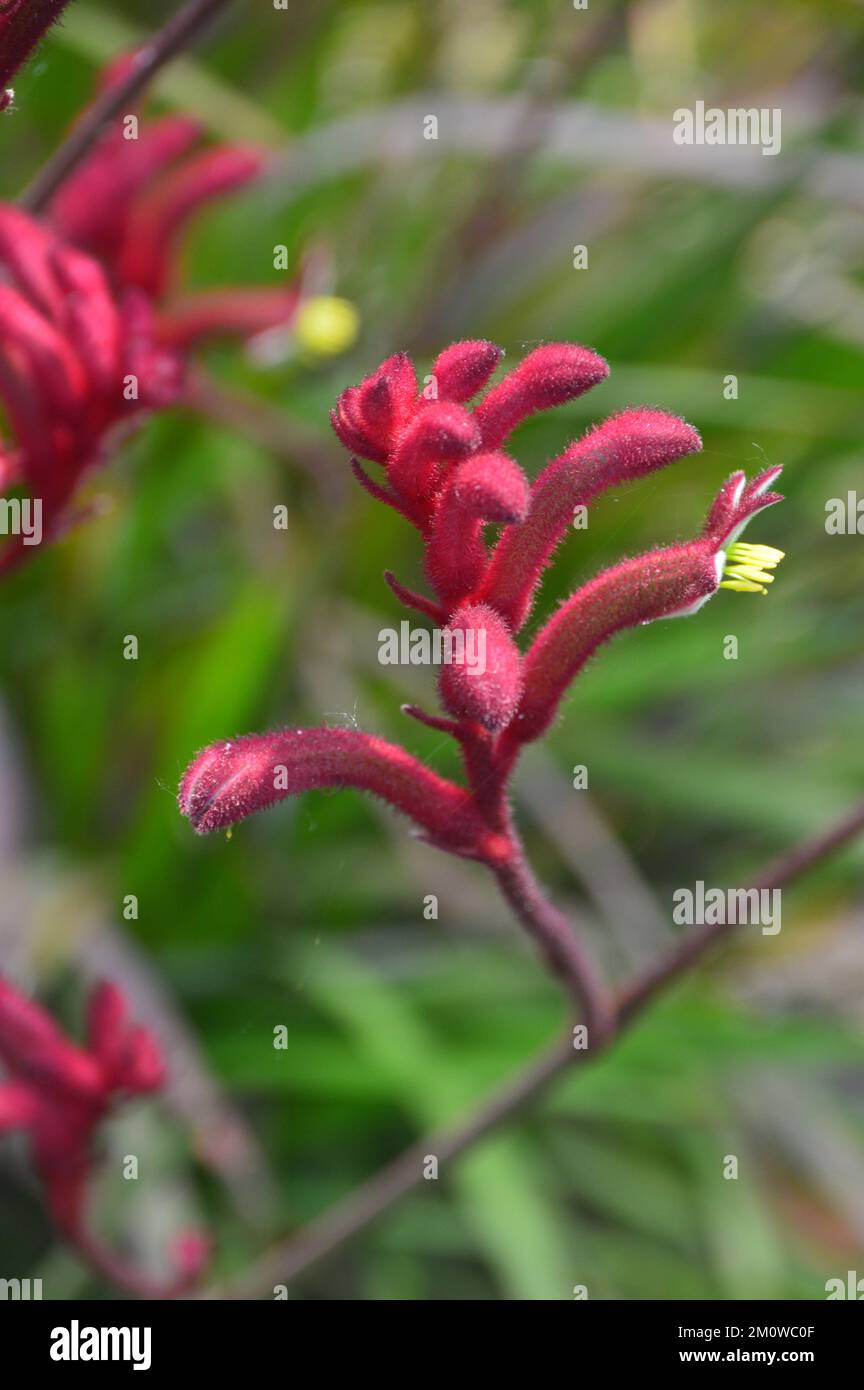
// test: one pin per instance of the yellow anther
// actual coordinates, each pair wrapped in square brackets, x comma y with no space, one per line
[746,567]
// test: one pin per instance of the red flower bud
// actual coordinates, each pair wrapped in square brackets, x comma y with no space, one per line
[483,681]
[157,217]
[92,207]
[439,434]
[483,488]
[548,376]
[235,313]
[463,369]
[231,780]
[386,399]
[33,1049]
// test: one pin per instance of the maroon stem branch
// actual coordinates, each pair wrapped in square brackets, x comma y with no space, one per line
[559,943]
[373,1198]
[177,34]
[22,24]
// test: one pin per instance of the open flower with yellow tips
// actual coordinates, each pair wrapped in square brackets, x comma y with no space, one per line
[444,467]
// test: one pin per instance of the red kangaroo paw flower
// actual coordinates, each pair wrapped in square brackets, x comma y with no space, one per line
[130,200]
[483,488]
[348,425]
[625,447]
[33,1049]
[439,434]
[445,474]
[463,369]
[230,780]
[191,319]
[68,353]
[49,358]
[667,583]
[548,376]
[158,217]
[483,680]
[93,207]
[129,1057]
[368,418]
[91,317]
[27,252]
[59,1095]
[386,399]
[16,1108]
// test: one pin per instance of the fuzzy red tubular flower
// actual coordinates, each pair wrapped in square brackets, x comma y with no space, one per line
[485,488]
[444,469]
[75,361]
[232,779]
[59,1094]
[482,680]
[668,583]
[625,447]
[548,376]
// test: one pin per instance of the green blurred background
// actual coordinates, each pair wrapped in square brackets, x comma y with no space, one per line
[554,131]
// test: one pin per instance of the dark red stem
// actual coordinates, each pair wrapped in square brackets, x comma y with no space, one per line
[22,24]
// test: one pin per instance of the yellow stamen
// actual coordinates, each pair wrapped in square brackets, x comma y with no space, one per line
[746,567]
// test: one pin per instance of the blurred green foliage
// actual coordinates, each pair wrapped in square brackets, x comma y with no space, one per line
[312,916]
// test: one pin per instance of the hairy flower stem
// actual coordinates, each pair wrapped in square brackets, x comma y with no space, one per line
[177,34]
[23,23]
[550,929]
[559,944]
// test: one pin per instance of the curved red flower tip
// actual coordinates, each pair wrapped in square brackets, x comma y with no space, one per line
[47,355]
[233,779]
[481,679]
[91,317]
[463,369]
[738,502]
[386,398]
[34,1051]
[195,318]
[130,1058]
[158,370]
[441,433]
[666,583]
[92,207]
[368,417]
[159,215]
[17,1107]
[27,250]
[548,376]
[483,488]
[629,445]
